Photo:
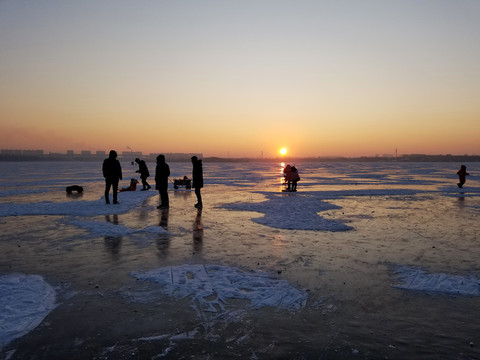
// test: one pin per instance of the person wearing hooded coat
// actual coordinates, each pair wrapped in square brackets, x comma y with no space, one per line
[162,172]
[197,177]
[144,173]
[112,172]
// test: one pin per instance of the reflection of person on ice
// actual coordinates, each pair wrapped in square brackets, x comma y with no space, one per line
[461,175]
[144,174]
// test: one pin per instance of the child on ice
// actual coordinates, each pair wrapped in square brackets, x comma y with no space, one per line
[132,187]
[461,175]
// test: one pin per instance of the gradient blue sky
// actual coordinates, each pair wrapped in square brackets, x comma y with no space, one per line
[241,78]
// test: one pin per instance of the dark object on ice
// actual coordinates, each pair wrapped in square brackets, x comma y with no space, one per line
[287,177]
[461,175]
[291,178]
[144,173]
[131,187]
[295,178]
[162,172]
[73,188]
[112,172]
[197,176]
[182,182]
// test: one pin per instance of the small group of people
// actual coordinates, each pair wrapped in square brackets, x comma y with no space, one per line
[112,172]
[290,173]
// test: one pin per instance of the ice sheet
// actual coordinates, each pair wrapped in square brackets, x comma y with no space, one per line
[112,229]
[292,211]
[128,201]
[414,278]
[211,287]
[25,300]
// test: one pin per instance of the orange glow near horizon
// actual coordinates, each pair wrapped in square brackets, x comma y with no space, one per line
[283,151]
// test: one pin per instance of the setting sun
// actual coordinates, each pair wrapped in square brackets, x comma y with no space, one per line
[283,151]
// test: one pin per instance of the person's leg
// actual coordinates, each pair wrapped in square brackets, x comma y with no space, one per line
[108,184]
[115,191]
[199,197]
[160,197]
[144,183]
[166,200]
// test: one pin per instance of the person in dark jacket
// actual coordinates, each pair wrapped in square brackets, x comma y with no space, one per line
[197,177]
[144,173]
[162,172]
[112,172]
[462,173]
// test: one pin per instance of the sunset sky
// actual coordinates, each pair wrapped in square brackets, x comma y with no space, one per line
[241,78]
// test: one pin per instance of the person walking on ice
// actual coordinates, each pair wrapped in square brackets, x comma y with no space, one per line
[144,173]
[462,173]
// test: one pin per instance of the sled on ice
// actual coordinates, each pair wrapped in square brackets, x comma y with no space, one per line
[186,182]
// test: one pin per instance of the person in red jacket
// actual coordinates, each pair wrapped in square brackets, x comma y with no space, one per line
[131,187]
[461,175]
[295,178]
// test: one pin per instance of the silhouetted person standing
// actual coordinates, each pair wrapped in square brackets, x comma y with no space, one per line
[112,172]
[287,173]
[162,172]
[294,177]
[462,173]
[144,173]
[197,177]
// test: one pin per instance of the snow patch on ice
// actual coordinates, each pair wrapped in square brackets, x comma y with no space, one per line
[210,287]
[412,278]
[25,300]
[292,211]
[128,201]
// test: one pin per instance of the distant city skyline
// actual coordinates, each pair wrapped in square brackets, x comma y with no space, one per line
[241,78]
[10,154]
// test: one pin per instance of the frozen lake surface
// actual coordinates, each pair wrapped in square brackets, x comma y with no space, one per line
[366,260]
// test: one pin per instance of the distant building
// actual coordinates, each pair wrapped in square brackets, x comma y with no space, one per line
[132,154]
[11,152]
[32,152]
